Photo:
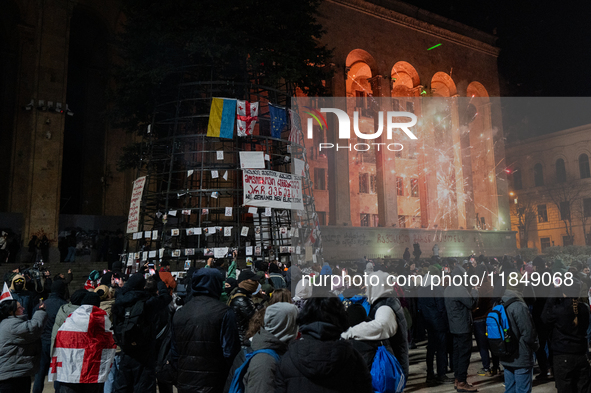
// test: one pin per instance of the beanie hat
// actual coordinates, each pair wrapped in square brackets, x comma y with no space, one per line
[247,275]
[91,298]
[433,271]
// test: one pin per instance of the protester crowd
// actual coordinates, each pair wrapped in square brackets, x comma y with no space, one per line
[221,329]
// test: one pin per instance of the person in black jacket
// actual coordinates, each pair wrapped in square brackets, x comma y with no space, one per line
[205,336]
[544,361]
[319,362]
[432,306]
[57,298]
[567,319]
[137,363]
[241,301]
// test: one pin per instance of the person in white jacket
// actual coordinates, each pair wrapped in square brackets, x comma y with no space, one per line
[387,321]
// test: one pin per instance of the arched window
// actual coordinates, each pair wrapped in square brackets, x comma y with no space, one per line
[538,175]
[584,166]
[560,171]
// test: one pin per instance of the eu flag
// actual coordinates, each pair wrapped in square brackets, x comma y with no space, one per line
[278,120]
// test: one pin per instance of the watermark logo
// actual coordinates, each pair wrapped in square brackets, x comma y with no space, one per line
[388,121]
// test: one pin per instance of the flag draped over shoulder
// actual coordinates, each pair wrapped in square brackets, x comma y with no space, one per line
[84,347]
[222,116]
[248,114]
[278,120]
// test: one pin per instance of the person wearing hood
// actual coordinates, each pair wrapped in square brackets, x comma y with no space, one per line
[303,292]
[137,363]
[19,345]
[326,269]
[278,330]
[229,285]
[319,362]
[241,300]
[293,276]
[56,299]
[205,336]
[276,277]
[519,365]
[567,320]
[20,294]
[479,315]
[386,320]
[459,303]
[431,303]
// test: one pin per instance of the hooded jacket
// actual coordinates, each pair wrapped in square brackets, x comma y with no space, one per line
[279,329]
[19,345]
[205,336]
[522,326]
[459,303]
[381,295]
[23,296]
[321,363]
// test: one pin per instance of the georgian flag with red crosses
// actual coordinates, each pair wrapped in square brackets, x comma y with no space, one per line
[84,347]
[248,114]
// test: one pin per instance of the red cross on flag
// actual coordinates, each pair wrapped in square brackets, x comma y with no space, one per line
[248,114]
[84,347]
[5,294]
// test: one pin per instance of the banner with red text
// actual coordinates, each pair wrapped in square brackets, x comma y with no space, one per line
[133,219]
[272,189]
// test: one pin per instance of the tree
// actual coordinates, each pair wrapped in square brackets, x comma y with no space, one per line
[267,42]
[565,196]
[583,214]
[526,212]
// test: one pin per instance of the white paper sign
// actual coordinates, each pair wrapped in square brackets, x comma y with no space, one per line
[133,219]
[152,254]
[161,253]
[220,252]
[225,175]
[214,174]
[228,212]
[267,158]
[227,231]
[267,212]
[299,167]
[249,250]
[210,230]
[252,210]
[252,160]
[130,259]
[220,154]
[272,189]
[197,231]
[172,213]
[189,172]
[155,235]
[145,256]
[147,234]
[186,212]
[244,231]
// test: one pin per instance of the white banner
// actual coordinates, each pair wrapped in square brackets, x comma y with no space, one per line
[272,189]
[134,208]
[252,159]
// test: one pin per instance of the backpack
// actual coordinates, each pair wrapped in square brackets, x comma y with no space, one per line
[387,375]
[238,379]
[134,329]
[501,339]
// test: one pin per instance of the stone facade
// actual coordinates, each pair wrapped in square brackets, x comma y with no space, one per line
[550,190]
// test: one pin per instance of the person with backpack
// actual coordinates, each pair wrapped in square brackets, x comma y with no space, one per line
[205,337]
[386,320]
[519,364]
[140,312]
[320,362]
[256,371]
[567,320]
[459,303]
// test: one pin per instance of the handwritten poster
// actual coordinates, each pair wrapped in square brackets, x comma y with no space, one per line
[272,189]
[133,219]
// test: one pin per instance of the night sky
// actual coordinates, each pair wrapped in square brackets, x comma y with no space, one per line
[545,52]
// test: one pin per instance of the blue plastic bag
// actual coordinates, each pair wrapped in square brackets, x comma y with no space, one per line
[237,381]
[386,373]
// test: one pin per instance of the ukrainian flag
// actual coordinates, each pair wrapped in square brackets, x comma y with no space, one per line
[221,118]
